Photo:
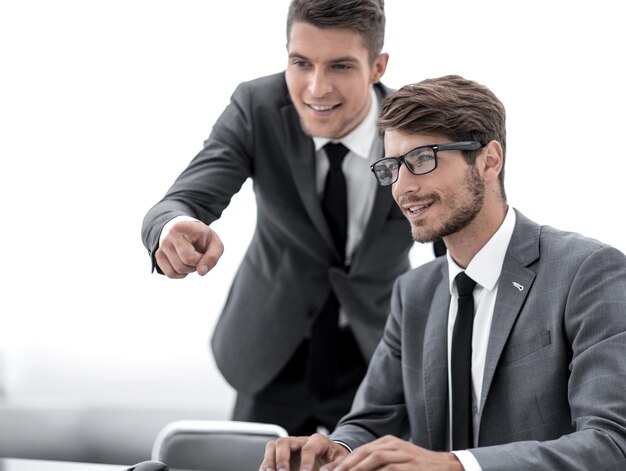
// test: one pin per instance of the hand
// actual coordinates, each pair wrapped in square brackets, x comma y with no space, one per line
[393,453]
[189,246]
[301,453]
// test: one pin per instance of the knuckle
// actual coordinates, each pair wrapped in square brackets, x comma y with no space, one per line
[311,442]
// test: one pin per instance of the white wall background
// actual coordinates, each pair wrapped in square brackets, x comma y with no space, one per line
[103,103]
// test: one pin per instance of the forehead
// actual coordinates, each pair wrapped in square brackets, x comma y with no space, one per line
[326,44]
[399,143]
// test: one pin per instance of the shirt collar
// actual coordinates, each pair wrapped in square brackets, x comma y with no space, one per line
[360,140]
[486,266]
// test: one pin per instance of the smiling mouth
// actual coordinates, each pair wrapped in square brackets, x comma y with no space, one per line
[322,108]
[417,208]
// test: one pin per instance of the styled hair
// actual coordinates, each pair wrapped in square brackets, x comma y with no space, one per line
[460,109]
[366,17]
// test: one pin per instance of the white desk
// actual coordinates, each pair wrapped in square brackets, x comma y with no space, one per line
[7,464]
[13,464]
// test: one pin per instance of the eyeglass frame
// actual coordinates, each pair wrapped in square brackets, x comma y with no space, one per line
[460,145]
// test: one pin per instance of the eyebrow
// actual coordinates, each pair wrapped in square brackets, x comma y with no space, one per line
[338,60]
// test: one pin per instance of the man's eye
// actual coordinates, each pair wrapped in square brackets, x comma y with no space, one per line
[417,160]
[300,63]
[342,66]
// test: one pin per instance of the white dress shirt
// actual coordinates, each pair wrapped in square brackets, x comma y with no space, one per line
[364,149]
[484,269]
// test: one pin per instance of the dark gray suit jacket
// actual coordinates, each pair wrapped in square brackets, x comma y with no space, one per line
[554,388]
[288,270]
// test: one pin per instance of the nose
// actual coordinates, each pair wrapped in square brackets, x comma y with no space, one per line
[406,182]
[319,83]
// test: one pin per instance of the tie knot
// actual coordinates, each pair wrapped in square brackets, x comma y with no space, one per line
[335,151]
[464,284]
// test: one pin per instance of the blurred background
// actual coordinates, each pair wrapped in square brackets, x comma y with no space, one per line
[103,104]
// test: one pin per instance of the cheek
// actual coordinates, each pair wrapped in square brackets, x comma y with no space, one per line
[356,90]
[293,84]
[395,194]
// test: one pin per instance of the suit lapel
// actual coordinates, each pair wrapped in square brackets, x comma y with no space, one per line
[435,367]
[300,153]
[513,288]
[383,202]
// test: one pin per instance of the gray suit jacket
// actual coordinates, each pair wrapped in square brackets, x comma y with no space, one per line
[290,265]
[554,388]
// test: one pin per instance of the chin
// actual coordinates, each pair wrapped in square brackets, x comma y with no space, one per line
[423,236]
[316,131]
[313,128]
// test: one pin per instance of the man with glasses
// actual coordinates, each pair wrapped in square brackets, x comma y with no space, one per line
[419,161]
[507,354]
[313,289]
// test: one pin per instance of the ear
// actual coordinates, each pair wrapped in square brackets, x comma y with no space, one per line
[492,157]
[379,67]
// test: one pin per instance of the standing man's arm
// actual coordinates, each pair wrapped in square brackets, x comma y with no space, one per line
[202,192]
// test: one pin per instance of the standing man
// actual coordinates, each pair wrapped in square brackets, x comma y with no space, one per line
[510,351]
[309,302]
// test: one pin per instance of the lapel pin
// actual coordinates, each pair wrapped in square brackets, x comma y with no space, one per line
[518,286]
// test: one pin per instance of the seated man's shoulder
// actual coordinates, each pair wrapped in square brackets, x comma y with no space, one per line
[570,244]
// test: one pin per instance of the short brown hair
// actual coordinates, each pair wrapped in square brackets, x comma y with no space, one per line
[366,17]
[460,109]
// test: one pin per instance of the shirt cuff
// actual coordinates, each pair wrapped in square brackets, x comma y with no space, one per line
[468,461]
[345,446]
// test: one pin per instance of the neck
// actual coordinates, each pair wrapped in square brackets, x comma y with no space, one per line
[466,243]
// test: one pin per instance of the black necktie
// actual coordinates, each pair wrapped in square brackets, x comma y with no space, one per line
[322,367]
[461,364]
[335,200]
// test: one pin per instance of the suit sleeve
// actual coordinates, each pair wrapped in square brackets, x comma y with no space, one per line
[204,189]
[595,324]
[379,407]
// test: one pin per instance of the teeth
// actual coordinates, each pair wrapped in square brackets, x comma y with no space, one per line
[322,108]
[414,209]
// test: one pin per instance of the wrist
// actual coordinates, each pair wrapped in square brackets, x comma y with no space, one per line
[454,463]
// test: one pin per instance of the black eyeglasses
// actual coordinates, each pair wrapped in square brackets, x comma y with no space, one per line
[419,161]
